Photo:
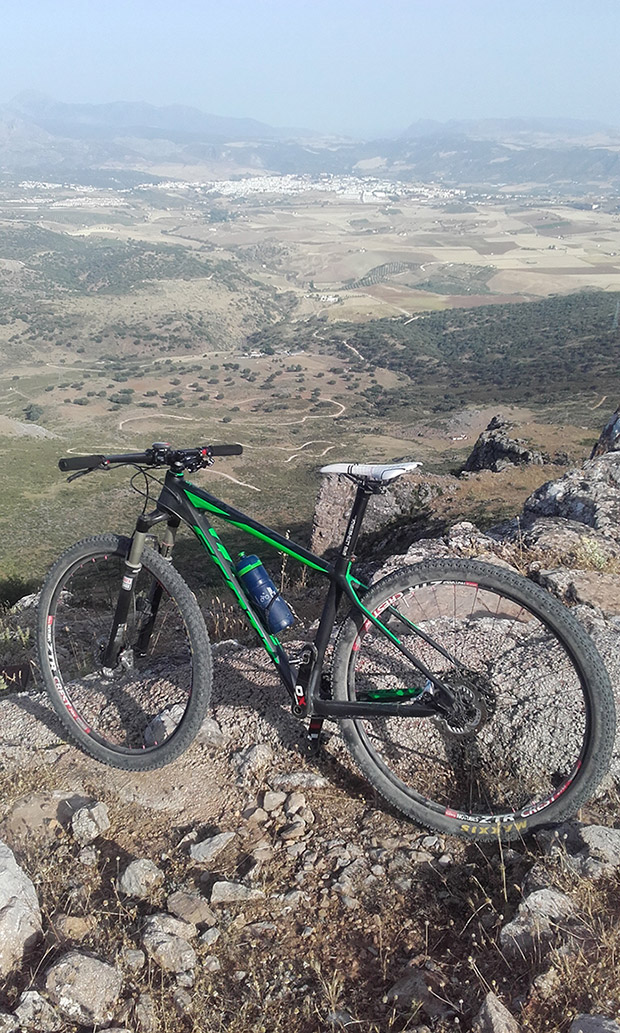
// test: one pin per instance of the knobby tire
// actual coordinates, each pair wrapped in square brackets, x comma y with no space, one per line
[535,728]
[148,709]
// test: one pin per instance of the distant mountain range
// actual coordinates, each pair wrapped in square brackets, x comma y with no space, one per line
[43,138]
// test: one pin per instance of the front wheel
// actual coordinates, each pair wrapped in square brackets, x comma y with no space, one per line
[531,731]
[146,708]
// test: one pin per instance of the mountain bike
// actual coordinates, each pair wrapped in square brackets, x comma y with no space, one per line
[470,699]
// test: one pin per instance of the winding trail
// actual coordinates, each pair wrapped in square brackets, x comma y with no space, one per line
[244,484]
[305,455]
[323,416]
[354,350]
[158,415]
[297,449]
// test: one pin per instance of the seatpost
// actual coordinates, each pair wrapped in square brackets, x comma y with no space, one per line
[354,526]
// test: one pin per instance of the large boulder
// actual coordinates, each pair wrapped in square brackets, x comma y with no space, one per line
[590,495]
[404,501]
[609,440]
[495,450]
[20,915]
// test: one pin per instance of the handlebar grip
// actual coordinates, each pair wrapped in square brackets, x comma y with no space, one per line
[80,463]
[226,450]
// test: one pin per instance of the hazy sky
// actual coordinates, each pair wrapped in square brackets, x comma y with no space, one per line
[360,67]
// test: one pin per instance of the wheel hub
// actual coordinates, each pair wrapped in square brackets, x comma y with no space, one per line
[473,705]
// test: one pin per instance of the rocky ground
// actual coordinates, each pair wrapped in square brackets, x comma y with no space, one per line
[247,888]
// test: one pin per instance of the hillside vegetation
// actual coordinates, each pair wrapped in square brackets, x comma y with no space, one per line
[548,350]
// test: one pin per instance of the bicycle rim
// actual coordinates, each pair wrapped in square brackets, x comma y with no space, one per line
[522,731]
[137,705]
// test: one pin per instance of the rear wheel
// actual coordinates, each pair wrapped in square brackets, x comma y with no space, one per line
[532,729]
[145,710]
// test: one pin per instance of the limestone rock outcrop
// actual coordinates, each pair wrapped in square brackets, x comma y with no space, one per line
[495,450]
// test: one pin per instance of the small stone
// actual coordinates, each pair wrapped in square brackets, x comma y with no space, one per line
[296,850]
[182,1001]
[255,815]
[295,830]
[84,988]
[295,802]
[140,878]
[165,940]
[252,760]
[538,877]
[209,848]
[419,986]
[298,780]
[88,856]
[171,953]
[133,959]
[603,843]
[163,725]
[548,983]
[239,975]
[234,893]
[593,1024]
[263,851]
[210,937]
[186,979]
[211,963]
[169,926]
[494,1017]
[74,928]
[293,897]
[255,872]
[146,1014]
[90,822]
[272,801]
[210,733]
[191,907]
[34,1011]
[539,916]
[340,1017]
[306,814]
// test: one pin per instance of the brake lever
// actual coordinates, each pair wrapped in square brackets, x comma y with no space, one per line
[82,473]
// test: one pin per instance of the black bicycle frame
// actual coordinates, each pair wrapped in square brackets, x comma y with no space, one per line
[182,500]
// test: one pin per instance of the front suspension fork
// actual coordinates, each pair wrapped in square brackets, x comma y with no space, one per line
[132,567]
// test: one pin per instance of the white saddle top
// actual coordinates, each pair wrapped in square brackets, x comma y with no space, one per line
[371,472]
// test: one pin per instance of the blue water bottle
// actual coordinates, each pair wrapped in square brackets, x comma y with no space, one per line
[262,591]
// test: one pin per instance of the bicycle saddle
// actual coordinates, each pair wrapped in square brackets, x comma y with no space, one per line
[371,472]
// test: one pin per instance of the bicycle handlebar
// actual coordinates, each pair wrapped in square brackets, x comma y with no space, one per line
[157,455]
